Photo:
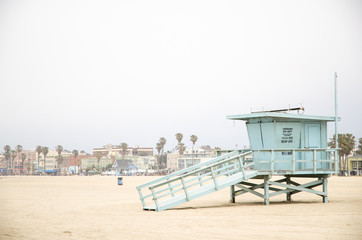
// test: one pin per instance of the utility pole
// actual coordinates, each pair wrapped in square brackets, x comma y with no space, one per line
[336,117]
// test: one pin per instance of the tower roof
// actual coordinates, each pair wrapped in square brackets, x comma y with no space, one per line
[280,115]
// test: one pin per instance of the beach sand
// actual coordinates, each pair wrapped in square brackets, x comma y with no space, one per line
[96,207]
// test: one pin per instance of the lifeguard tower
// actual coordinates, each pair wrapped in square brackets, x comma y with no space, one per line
[282,144]
[289,145]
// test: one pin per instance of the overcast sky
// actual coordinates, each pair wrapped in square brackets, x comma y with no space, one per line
[85,73]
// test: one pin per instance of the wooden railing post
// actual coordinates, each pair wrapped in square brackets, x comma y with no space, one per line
[242,168]
[335,162]
[155,199]
[185,189]
[314,161]
[272,161]
[141,197]
[199,175]
[214,178]
[293,161]
[171,188]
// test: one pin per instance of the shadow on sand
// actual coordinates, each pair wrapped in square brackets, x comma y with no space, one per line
[240,204]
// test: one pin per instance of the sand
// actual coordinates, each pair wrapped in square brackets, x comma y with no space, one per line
[96,207]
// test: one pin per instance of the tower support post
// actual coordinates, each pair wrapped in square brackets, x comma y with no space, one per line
[266,190]
[325,189]
[232,194]
[289,195]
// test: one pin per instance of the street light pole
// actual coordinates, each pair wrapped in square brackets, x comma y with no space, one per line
[336,117]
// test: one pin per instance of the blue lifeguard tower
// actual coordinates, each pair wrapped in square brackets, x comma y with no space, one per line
[289,145]
[283,144]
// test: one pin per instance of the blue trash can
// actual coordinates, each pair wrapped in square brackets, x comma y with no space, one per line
[120,180]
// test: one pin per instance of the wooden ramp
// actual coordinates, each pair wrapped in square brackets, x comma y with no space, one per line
[195,181]
[201,191]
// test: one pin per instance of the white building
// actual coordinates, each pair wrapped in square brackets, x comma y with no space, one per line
[189,158]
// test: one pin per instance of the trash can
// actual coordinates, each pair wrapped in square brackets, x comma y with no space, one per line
[120,180]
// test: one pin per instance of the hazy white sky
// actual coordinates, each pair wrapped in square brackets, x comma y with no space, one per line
[85,73]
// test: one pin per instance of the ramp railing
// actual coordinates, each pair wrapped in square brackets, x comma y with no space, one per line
[186,181]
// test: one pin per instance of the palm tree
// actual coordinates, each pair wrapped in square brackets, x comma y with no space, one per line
[45,151]
[59,149]
[181,148]
[28,166]
[193,139]
[124,147]
[158,148]
[59,162]
[162,144]
[99,155]
[12,156]
[38,150]
[75,154]
[346,143]
[23,157]
[18,149]
[7,154]
[359,151]
[179,137]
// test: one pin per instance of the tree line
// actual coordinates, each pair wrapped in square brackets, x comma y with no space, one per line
[346,144]
[11,155]
[181,148]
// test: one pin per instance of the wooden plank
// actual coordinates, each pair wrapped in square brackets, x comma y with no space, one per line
[298,188]
[256,186]
[295,191]
[251,191]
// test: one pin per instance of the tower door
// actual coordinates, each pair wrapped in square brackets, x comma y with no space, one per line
[313,134]
[313,140]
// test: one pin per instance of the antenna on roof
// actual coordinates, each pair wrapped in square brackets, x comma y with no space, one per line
[301,108]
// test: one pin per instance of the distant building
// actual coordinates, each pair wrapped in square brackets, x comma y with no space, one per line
[189,158]
[142,162]
[112,150]
[123,165]
[26,166]
[355,164]
[75,164]
[3,165]
[31,157]
[172,160]
[51,164]
[91,162]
